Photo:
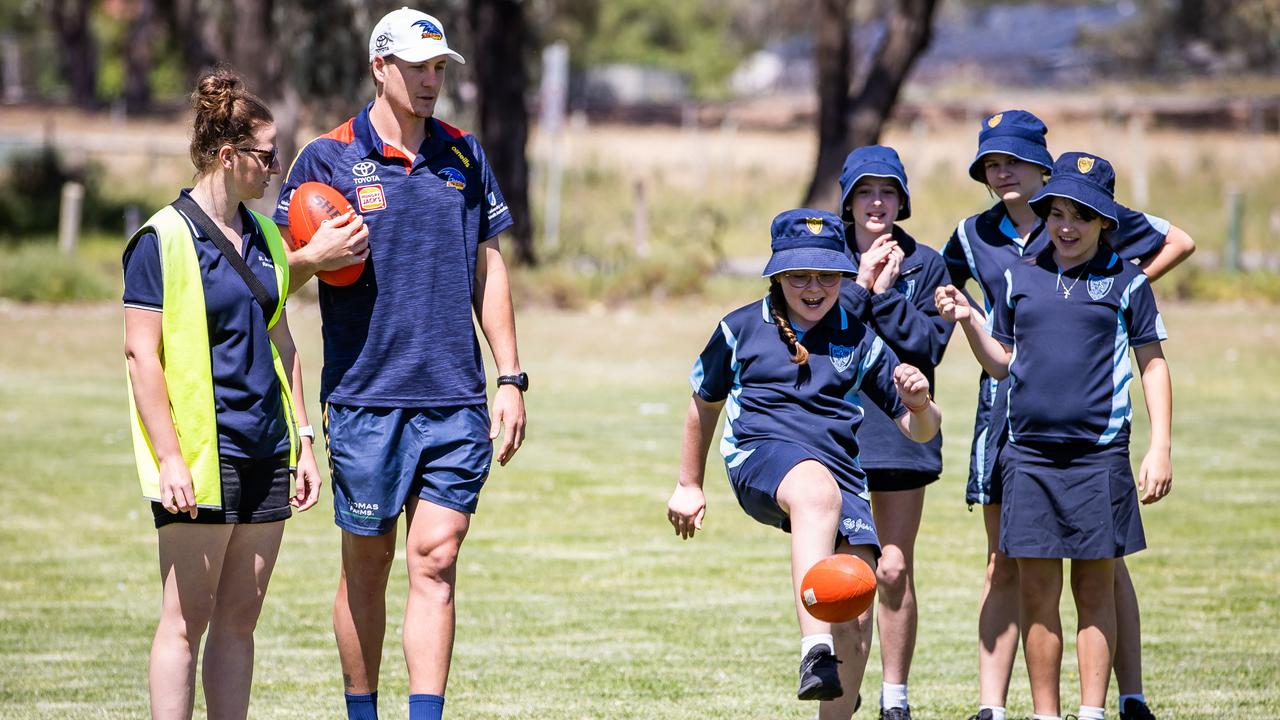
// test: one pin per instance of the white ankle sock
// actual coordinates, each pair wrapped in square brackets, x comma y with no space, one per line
[997,713]
[1092,713]
[893,696]
[808,642]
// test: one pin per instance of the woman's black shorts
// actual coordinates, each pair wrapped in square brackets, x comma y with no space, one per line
[253,491]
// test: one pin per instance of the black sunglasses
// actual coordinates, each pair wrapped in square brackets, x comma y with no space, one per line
[268,157]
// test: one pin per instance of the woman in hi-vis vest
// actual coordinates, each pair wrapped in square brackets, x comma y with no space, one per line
[219,427]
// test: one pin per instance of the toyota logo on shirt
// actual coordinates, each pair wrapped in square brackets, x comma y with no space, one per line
[363,172]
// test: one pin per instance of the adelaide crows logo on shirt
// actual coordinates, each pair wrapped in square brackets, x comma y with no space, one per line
[429,30]
[1099,286]
[453,177]
[841,357]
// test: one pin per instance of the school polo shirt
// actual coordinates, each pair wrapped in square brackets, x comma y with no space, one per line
[402,335]
[747,364]
[907,319]
[983,245]
[246,390]
[1070,370]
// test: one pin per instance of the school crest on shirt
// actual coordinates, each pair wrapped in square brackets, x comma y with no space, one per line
[841,357]
[906,287]
[1084,163]
[994,120]
[1099,286]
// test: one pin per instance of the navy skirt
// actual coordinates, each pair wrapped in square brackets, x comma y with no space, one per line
[1074,501]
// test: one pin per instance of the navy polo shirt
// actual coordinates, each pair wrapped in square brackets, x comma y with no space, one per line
[246,390]
[983,245]
[402,335]
[747,363]
[1070,371]
[907,319]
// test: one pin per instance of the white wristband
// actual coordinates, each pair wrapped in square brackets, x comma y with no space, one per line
[307,431]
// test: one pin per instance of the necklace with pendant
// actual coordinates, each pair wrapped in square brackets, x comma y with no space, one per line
[1066,291]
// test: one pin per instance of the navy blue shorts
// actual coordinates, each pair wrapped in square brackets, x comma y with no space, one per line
[378,457]
[755,482]
[989,432]
[1074,501]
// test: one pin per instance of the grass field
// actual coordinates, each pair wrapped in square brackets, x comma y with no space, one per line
[576,600]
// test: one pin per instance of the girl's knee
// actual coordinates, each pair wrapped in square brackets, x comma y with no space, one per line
[892,574]
[1002,571]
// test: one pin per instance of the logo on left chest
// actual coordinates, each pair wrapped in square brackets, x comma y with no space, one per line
[453,177]
[906,287]
[1099,286]
[841,357]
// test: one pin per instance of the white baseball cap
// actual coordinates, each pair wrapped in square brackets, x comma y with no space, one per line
[410,35]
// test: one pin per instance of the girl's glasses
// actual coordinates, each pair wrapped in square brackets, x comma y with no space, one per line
[800,281]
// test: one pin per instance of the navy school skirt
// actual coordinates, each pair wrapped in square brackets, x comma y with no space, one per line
[1076,501]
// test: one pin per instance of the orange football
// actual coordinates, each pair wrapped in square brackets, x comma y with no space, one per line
[838,588]
[313,203]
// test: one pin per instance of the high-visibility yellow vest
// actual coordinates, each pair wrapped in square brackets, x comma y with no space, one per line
[185,356]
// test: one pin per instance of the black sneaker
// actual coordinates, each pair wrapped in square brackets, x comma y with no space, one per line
[819,675]
[983,715]
[1136,710]
[895,714]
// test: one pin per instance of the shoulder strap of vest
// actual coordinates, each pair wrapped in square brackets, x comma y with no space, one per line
[275,245]
[188,207]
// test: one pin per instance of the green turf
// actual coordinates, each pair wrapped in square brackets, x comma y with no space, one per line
[576,600]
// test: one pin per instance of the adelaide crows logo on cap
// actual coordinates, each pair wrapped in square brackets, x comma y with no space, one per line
[814,225]
[1084,163]
[841,357]
[994,120]
[1099,286]
[453,177]
[429,30]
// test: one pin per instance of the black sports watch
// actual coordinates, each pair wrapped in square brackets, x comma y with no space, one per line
[520,380]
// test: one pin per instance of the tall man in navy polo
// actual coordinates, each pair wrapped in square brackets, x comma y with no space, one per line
[403,381]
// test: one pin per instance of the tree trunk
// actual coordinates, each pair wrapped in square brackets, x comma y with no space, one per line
[832,61]
[253,47]
[79,52]
[195,33]
[500,38]
[909,28]
[139,52]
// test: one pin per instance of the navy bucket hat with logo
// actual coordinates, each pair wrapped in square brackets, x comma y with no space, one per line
[805,239]
[1012,132]
[873,161]
[1085,178]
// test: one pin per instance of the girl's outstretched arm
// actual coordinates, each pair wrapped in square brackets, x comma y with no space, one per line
[1155,478]
[953,306]
[688,504]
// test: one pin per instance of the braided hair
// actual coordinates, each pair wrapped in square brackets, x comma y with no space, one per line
[778,308]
